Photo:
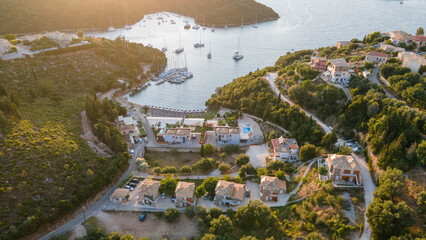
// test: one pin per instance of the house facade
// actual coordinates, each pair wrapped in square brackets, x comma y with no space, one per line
[227,135]
[271,188]
[229,194]
[399,36]
[148,192]
[376,57]
[119,195]
[390,48]
[285,149]
[128,129]
[343,169]
[177,135]
[318,63]
[420,40]
[60,37]
[414,62]
[341,44]
[5,46]
[339,71]
[184,194]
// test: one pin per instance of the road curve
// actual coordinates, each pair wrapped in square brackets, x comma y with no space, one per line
[271,80]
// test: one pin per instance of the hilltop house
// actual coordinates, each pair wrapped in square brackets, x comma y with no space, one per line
[271,188]
[343,170]
[227,135]
[341,44]
[148,192]
[5,46]
[376,57]
[119,195]
[60,37]
[402,55]
[184,194]
[318,63]
[420,40]
[414,62]
[390,48]
[399,36]
[128,129]
[177,135]
[229,194]
[285,149]
[339,71]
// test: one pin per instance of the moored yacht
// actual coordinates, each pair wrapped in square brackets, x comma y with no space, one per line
[237,55]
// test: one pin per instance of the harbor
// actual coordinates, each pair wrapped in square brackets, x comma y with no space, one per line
[174,75]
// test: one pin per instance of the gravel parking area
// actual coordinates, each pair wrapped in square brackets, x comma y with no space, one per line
[257,154]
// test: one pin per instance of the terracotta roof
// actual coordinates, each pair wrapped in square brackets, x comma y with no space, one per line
[227,130]
[230,189]
[149,187]
[284,144]
[272,183]
[185,190]
[119,193]
[178,131]
[377,54]
[294,146]
[340,62]
[419,38]
[342,162]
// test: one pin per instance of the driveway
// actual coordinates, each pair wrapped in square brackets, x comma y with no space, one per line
[271,80]
[373,78]
[257,154]
[369,188]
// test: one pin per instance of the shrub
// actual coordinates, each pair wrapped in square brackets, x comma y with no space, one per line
[171,214]
[215,212]
[157,170]
[209,149]
[205,164]
[185,169]
[190,211]
[242,159]
[168,185]
[224,167]
[168,170]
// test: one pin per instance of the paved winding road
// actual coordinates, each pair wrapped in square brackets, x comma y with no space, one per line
[369,188]
[373,78]
[271,80]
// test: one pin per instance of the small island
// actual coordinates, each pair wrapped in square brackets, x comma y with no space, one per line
[35,16]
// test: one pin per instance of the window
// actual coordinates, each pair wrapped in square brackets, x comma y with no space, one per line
[346,171]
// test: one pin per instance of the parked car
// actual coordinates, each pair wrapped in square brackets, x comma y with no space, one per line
[163,195]
[173,198]
[211,198]
[134,180]
[142,217]
[206,196]
[247,194]
[132,152]
[133,185]
[128,187]
[145,139]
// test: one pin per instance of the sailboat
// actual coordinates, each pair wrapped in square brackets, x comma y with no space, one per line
[199,44]
[180,49]
[209,55]
[127,27]
[111,29]
[254,26]
[204,28]
[149,43]
[242,21]
[237,55]
[213,28]
[196,26]
[164,49]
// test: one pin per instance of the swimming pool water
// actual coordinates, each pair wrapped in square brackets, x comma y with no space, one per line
[246,130]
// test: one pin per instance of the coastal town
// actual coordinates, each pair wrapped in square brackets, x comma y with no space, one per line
[103,136]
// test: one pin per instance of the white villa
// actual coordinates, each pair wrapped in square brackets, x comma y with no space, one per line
[177,135]
[339,71]
[60,37]
[376,57]
[128,128]
[414,62]
[227,135]
[342,169]
[285,149]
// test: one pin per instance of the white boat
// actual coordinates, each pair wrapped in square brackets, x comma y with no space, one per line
[164,49]
[111,29]
[172,21]
[149,45]
[127,27]
[209,55]
[204,28]
[213,28]
[196,27]
[237,55]
[242,21]
[180,49]
[199,44]
[254,26]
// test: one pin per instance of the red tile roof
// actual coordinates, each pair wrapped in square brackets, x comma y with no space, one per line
[294,146]
[377,54]
[419,38]
[275,143]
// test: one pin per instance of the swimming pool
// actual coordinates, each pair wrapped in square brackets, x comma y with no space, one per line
[246,130]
